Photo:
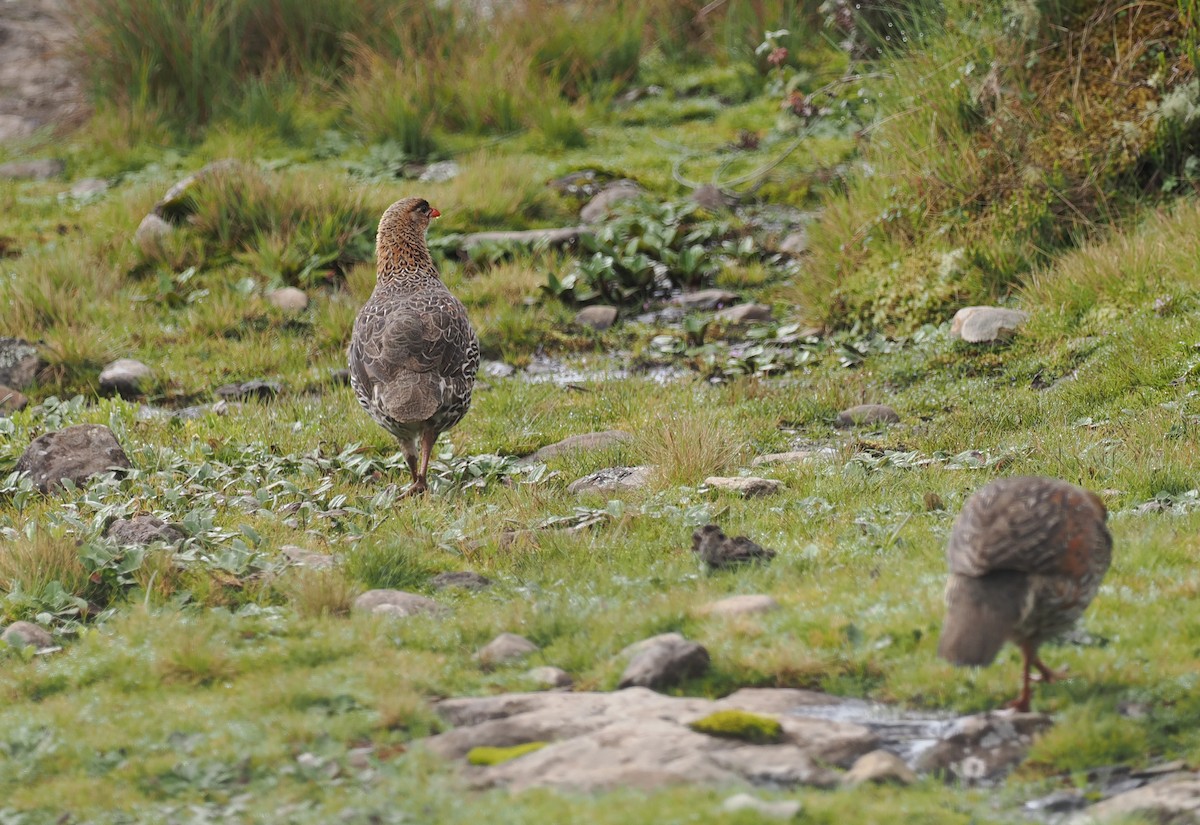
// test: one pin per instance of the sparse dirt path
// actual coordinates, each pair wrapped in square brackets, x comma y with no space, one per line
[38,86]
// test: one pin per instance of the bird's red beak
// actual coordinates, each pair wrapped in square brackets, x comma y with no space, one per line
[433,213]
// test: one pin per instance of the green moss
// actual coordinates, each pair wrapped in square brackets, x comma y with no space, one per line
[739,724]
[485,755]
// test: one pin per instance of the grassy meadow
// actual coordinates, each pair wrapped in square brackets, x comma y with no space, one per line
[1036,154]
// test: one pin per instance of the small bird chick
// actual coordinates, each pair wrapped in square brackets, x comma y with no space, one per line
[719,551]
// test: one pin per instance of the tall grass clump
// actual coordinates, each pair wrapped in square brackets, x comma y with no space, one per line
[191,60]
[983,163]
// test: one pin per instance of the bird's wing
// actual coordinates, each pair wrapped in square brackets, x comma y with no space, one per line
[1027,525]
[408,350]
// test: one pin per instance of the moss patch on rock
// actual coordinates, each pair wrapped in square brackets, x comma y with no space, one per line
[486,755]
[739,724]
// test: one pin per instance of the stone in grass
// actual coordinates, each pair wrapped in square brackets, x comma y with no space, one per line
[74,453]
[778,809]
[745,314]
[505,648]
[550,678]
[612,479]
[88,187]
[1176,799]
[866,415]
[741,725]
[40,169]
[143,530]
[746,604]
[303,557]
[396,603]
[879,767]
[795,456]
[288,299]
[11,401]
[573,443]
[597,317]
[150,235]
[745,486]
[486,755]
[126,377]
[979,325]
[666,663]
[466,579]
[178,202]
[603,202]
[27,634]
[264,390]
[705,299]
[19,363]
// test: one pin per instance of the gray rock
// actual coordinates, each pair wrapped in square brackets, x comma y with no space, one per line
[288,298]
[597,317]
[41,169]
[556,238]
[614,193]
[11,401]
[582,184]
[879,767]
[264,390]
[664,664]
[705,299]
[505,648]
[778,809]
[466,579]
[177,203]
[866,415]
[150,235]
[26,634]
[983,747]
[984,324]
[87,187]
[612,479]
[745,314]
[14,127]
[396,603]
[125,377]
[1175,800]
[795,244]
[578,443]
[439,172]
[746,604]
[143,530]
[745,486]
[646,644]
[19,363]
[639,739]
[550,678]
[302,557]
[795,457]
[76,453]
[712,198]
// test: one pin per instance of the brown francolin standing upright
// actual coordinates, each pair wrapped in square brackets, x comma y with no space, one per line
[413,354]
[1026,558]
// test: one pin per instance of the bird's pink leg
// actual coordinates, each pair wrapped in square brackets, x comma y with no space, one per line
[418,485]
[1021,703]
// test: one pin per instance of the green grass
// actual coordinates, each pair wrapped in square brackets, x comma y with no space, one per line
[214,676]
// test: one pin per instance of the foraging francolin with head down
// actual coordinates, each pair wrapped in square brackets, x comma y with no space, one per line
[413,354]
[1026,558]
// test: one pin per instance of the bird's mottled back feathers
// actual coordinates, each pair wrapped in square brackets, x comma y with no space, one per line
[1029,525]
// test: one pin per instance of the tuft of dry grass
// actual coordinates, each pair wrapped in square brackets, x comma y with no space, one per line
[316,593]
[687,446]
[32,565]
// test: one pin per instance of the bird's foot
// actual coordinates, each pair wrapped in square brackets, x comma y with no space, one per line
[1020,704]
[1046,675]
[417,488]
